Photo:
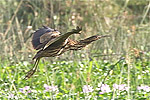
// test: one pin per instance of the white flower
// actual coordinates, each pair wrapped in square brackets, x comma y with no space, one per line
[87,89]
[105,89]
[50,88]
[144,87]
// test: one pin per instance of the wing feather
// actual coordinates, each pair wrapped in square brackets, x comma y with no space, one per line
[36,36]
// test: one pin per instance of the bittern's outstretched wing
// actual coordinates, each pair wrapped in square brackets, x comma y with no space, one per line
[37,44]
[60,39]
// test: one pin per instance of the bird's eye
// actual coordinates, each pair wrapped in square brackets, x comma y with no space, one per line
[53,37]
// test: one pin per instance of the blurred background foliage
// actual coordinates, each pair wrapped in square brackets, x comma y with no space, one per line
[128,22]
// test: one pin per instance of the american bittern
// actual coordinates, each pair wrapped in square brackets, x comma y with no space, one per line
[51,43]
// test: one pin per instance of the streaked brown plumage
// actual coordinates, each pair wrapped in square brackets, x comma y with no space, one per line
[51,43]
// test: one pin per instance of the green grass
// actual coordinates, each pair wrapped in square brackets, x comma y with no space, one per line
[127,21]
[71,76]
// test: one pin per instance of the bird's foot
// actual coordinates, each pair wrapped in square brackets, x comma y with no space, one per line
[30,73]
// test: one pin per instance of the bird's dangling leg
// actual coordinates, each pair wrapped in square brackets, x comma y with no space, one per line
[33,70]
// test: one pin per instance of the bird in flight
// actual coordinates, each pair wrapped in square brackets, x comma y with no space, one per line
[50,43]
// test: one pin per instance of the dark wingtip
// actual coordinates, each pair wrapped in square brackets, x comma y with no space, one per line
[79,28]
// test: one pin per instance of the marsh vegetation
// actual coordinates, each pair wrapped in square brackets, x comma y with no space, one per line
[92,73]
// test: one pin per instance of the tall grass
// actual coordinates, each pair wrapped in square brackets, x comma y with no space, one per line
[20,18]
[126,20]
